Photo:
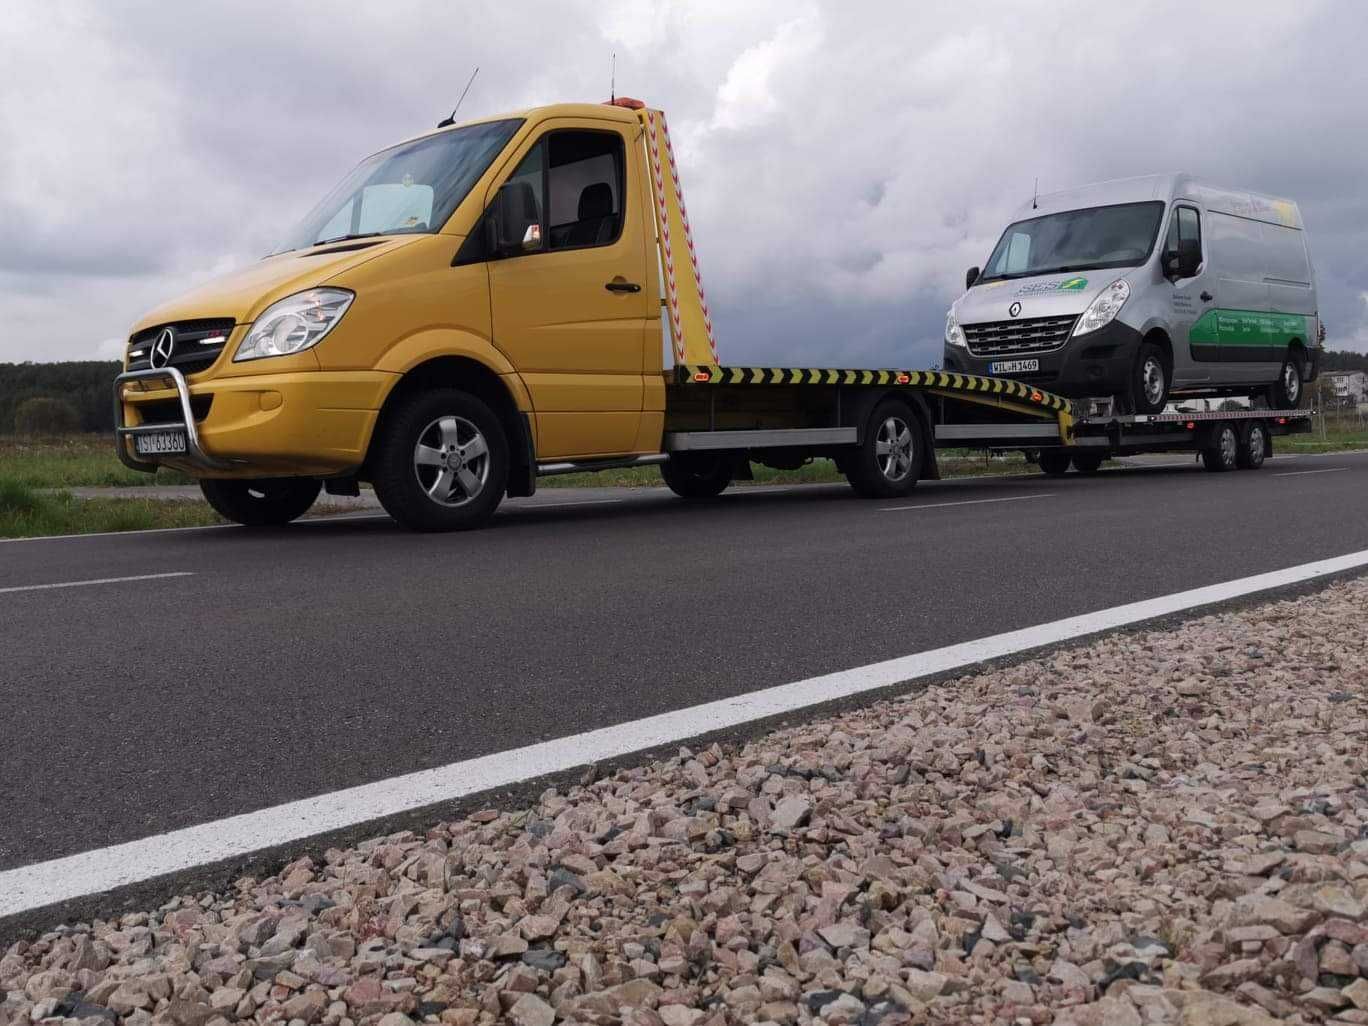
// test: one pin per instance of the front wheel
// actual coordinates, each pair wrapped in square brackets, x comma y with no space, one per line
[1286,392]
[697,475]
[1149,384]
[888,460]
[265,502]
[1223,453]
[440,462]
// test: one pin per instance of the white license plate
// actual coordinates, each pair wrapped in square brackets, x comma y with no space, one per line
[156,443]
[1013,366]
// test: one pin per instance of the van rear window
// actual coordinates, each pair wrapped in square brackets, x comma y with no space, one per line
[1121,235]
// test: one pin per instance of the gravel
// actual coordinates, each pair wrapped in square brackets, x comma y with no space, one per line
[1168,826]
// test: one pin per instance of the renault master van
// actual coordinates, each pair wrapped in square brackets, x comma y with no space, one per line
[1144,288]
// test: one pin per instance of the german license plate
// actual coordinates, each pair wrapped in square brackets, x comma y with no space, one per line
[1013,366]
[157,443]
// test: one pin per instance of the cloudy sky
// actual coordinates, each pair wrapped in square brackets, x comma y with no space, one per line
[843,162]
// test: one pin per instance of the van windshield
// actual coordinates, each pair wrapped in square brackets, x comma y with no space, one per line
[409,188]
[1076,240]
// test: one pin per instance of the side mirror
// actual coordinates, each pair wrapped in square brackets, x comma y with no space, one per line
[971,276]
[516,222]
[1185,260]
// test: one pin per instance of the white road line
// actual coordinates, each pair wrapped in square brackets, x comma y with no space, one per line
[562,505]
[965,502]
[1298,473]
[93,872]
[98,580]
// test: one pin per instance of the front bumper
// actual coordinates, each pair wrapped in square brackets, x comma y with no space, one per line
[296,424]
[1096,364]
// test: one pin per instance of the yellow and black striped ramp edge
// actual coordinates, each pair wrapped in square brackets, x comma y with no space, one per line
[943,381]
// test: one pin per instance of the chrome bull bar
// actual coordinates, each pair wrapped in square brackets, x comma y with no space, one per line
[194,452]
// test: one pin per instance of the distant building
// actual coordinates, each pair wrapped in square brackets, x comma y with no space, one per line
[1348,388]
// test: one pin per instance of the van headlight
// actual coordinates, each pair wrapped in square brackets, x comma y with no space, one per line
[954,334]
[1103,310]
[295,323]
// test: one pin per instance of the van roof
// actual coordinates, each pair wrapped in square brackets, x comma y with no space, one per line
[1168,187]
[563,110]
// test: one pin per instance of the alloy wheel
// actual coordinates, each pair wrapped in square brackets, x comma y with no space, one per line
[894,449]
[451,461]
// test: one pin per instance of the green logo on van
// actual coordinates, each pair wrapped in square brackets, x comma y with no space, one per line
[1073,284]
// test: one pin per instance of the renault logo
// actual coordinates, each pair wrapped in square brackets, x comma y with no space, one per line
[1012,311]
[165,346]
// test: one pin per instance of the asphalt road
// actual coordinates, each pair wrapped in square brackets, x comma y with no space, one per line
[302,660]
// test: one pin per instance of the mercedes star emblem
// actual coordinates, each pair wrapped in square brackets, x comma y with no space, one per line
[1012,311]
[165,346]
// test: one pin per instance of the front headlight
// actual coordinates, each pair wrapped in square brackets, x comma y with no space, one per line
[1103,310]
[954,334]
[295,324]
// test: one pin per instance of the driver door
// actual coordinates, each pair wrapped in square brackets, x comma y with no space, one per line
[1196,341]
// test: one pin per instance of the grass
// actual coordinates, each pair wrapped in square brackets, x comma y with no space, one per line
[26,512]
[1335,434]
[74,461]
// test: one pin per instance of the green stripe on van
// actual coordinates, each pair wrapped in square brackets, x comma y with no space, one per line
[1248,328]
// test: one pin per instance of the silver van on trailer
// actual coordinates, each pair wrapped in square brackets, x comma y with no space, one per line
[1143,288]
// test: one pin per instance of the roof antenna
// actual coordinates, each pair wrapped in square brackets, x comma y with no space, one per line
[452,119]
[1035,193]
[612,80]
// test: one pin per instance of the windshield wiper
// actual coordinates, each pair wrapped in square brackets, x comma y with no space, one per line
[346,238]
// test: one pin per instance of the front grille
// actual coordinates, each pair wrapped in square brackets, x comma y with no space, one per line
[195,346]
[1028,335]
[168,411]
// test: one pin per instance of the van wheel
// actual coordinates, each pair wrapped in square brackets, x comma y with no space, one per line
[266,502]
[1149,384]
[1054,462]
[1224,451]
[1253,446]
[1088,463]
[697,475]
[1286,392]
[888,461]
[441,463]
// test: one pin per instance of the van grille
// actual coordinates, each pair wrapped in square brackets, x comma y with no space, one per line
[1028,335]
[197,344]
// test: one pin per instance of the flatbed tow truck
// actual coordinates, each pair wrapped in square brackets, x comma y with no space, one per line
[516,333]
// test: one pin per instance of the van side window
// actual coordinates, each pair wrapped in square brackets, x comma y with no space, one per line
[1185,225]
[584,188]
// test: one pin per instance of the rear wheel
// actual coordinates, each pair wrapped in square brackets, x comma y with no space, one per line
[1087,463]
[1253,446]
[888,461]
[1224,451]
[697,475]
[441,463]
[1286,392]
[1054,462]
[266,502]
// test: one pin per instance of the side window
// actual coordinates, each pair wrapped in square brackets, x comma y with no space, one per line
[1189,225]
[584,187]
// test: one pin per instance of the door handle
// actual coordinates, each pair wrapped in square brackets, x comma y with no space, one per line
[1206,297]
[618,285]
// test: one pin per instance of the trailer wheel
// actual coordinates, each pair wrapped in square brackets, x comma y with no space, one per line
[1224,451]
[1087,462]
[888,461]
[441,463]
[1054,462]
[1253,446]
[268,502]
[697,475]
[1286,392]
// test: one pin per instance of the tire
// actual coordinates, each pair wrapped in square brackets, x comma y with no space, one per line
[440,462]
[1224,451]
[888,461]
[263,502]
[1253,446]
[697,475]
[1087,463]
[1149,381]
[1286,392]
[1054,462]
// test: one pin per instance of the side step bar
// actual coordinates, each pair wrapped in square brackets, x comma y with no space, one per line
[585,466]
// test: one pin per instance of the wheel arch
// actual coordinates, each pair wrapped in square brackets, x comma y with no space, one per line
[1159,336]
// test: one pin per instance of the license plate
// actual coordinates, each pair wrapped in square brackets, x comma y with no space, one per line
[1013,366]
[156,443]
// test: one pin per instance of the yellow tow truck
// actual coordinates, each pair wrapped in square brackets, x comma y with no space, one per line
[490,303]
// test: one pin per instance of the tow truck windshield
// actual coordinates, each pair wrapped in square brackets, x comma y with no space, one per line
[1076,240]
[409,188]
